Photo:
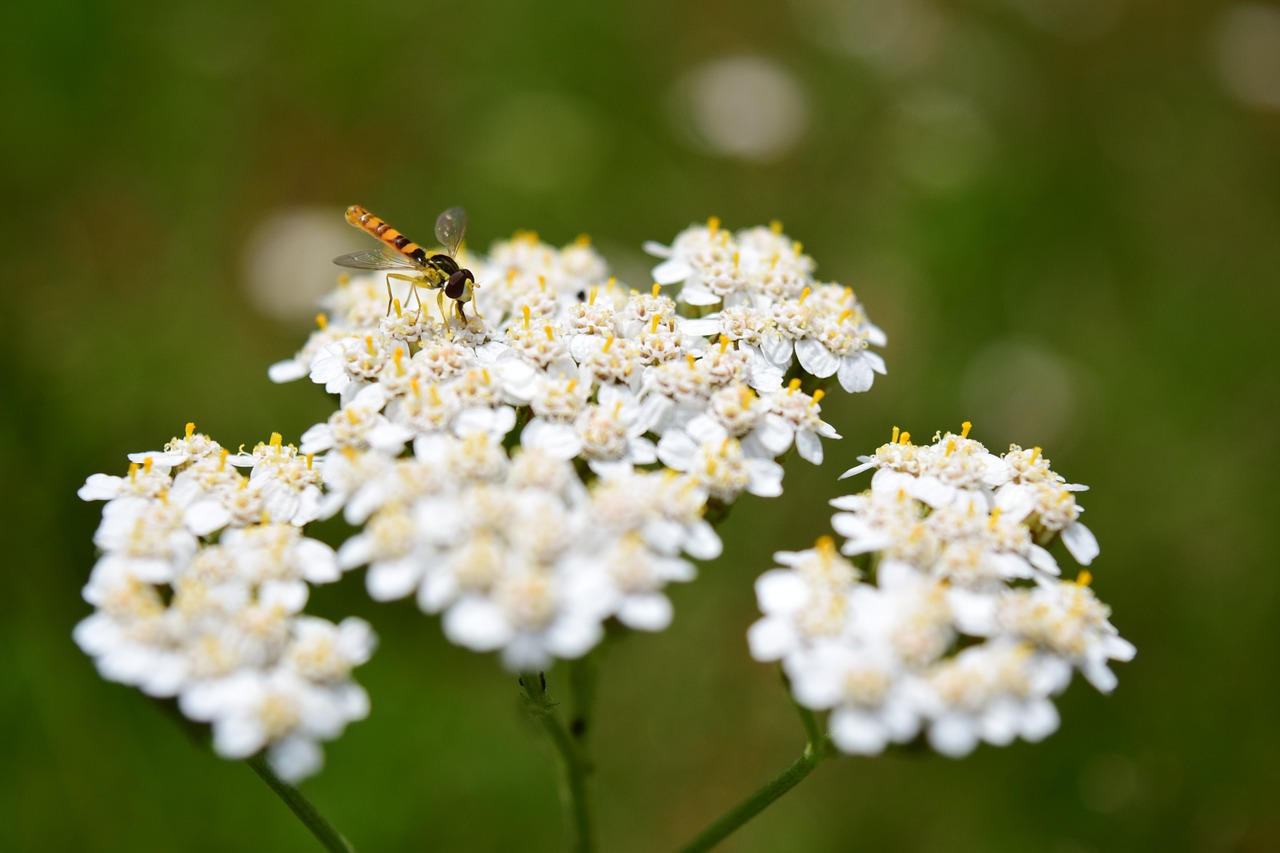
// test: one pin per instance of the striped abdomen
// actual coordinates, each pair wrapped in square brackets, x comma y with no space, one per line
[366,221]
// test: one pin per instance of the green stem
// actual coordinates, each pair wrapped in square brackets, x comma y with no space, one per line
[729,822]
[816,750]
[573,767]
[306,812]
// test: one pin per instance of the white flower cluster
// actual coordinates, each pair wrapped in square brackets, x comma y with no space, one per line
[199,591]
[544,466]
[941,611]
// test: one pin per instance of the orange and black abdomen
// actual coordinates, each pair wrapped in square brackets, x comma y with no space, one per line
[366,221]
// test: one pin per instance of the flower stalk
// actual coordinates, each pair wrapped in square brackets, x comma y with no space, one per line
[571,759]
[816,750]
[303,808]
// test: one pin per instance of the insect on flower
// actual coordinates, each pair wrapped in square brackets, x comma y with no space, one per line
[439,271]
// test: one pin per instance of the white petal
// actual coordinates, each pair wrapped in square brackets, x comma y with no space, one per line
[777,350]
[671,271]
[855,374]
[478,624]
[809,446]
[100,487]
[676,449]
[702,541]
[771,639]
[393,579]
[781,591]
[856,733]
[766,478]
[1080,542]
[572,637]
[237,737]
[1039,720]
[287,371]
[204,517]
[296,758]
[557,439]
[953,736]
[816,359]
[651,612]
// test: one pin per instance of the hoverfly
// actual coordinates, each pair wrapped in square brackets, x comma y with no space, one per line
[439,272]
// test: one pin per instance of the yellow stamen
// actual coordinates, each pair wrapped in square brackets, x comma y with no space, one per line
[995,518]
[276,440]
[713,224]
[689,358]
[612,282]
[793,386]
[397,357]
[894,440]
[368,342]
[542,283]
[591,297]
[798,248]
[1035,454]
[434,393]
[657,288]
[146,465]
[573,383]
[1084,578]
[526,316]
[484,374]
[395,303]
[776,226]
[415,387]
[951,447]
[344,278]
[736,259]
[964,429]
[804,294]
[724,343]
[817,397]
[845,315]
[133,472]
[352,417]
[551,333]
[311,458]
[617,408]
[222,459]
[583,241]
[653,327]
[322,321]
[724,447]
[191,429]
[608,344]
[905,438]
[826,546]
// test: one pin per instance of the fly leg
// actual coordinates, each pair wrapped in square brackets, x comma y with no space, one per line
[413,290]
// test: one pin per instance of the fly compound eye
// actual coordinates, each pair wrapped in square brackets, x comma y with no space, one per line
[457,284]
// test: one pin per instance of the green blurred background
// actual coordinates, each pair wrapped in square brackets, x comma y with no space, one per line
[1065,213]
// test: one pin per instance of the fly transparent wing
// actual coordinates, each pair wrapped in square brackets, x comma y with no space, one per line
[451,226]
[376,259]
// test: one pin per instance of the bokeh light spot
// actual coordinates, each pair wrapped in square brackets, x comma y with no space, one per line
[744,107]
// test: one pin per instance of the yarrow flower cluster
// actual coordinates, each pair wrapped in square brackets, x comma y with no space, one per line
[544,466]
[199,593]
[941,612]
[529,472]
